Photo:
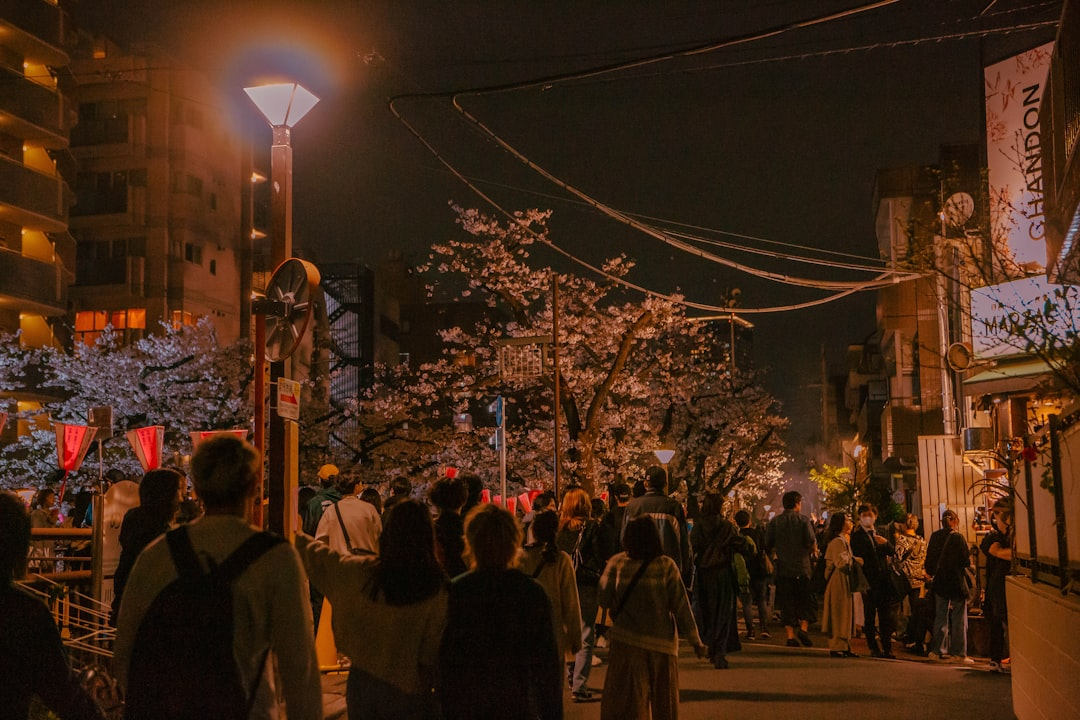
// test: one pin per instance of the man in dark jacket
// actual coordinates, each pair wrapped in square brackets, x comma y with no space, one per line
[880,602]
[669,517]
[947,557]
[790,538]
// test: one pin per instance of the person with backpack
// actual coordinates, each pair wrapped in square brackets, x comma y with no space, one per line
[670,519]
[579,537]
[212,607]
[716,542]
[757,567]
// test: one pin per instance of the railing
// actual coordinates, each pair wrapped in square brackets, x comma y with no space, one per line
[1047,496]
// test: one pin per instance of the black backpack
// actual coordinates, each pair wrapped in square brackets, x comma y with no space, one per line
[182,664]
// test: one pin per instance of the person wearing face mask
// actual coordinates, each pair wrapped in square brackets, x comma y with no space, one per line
[880,602]
[997,547]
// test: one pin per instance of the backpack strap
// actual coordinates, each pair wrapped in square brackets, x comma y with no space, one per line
[249,551]
[183,553]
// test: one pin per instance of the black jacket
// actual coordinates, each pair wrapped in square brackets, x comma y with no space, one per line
[875,563]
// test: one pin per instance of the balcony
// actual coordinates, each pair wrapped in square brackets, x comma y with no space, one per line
[35,28]
[31,285]
[30,198]
[33,112]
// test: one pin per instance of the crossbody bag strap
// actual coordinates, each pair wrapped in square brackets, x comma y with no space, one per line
[341,522]
[629,589]
[536,572]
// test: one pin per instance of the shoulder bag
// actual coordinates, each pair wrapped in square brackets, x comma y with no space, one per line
[345,534]
[629,589]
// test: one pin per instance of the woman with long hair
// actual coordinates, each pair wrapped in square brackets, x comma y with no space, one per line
[838,615]
[160,493]
[389,614]
[554,570]
[644,591]
[715,541]
[448,495]
[499,658]
[579,537]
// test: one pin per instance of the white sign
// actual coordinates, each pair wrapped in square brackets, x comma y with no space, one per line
[1014,89]
[1016,317]
[288,399]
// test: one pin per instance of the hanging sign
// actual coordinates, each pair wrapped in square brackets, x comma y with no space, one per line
[147,443]
[72,442]
[197,436]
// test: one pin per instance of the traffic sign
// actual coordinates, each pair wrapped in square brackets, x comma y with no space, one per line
[288,399]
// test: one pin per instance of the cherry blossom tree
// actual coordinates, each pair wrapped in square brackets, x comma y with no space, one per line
[631,375]
[181,379]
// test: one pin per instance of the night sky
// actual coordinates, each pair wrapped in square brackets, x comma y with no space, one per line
[776,139]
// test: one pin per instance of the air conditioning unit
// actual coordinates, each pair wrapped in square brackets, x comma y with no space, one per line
[978,439]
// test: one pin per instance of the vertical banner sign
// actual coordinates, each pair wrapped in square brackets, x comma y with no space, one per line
[1014,90]
[3,421]
[147,443]
[72,442]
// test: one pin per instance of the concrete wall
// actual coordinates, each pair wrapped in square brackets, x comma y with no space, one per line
[1044,643]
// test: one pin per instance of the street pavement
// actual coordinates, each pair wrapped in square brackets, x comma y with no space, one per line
[768,681]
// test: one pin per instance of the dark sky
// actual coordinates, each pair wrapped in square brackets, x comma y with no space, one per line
[776,139]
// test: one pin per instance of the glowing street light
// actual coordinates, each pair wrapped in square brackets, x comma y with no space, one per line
[283,105]
[664,455]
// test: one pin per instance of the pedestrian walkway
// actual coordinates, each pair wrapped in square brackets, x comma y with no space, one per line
[767,681]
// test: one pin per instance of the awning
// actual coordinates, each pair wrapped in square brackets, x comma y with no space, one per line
[1009,376]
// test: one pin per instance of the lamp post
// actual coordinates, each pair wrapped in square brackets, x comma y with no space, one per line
[283,105]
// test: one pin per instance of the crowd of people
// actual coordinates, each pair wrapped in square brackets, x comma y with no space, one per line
[446,606]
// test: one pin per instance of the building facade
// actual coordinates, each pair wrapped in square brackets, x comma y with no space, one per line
[158,209]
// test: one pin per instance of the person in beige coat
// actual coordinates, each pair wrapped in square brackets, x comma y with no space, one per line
[836,620]
[389,614]
[554,570]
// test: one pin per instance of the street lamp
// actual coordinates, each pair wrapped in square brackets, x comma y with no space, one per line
[283,105]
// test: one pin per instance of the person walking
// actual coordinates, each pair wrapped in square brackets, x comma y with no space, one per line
[448,496]
[949,555]
[579,537]
[668,515]
[757,567]
[643,590]
[839,609]
[271,616]
[498,659]
[716,541]
[389,615]
[33,661]
[554,570]
[790,538]
[348,524]
[160,492]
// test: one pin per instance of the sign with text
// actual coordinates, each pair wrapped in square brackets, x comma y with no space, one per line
[1017,317]
[288,399]
[1013,92]
[147,443]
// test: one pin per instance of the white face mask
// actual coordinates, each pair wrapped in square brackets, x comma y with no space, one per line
[867,522]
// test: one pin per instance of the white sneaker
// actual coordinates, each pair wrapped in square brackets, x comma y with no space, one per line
[596,661]
[601,642]
[966,660]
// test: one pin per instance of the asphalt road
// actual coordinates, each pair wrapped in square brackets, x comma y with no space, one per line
[767,681]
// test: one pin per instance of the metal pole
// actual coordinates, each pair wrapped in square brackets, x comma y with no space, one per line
[1029,497]
[281,250]
[260,415]
[1059,501]
[502,465]
[557,377]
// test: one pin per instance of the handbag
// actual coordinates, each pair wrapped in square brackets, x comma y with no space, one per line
[583,572]
[899,579]
[859,583]
[967,582]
